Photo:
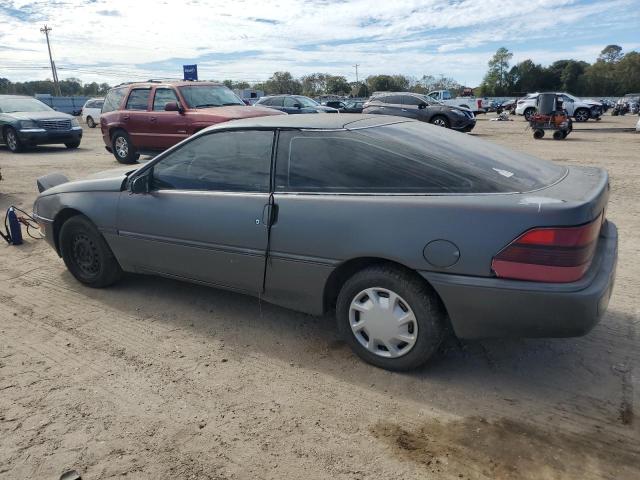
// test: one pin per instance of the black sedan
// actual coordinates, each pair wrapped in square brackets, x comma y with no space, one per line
[346,106]
[294,104]
[420,107]
[25,121]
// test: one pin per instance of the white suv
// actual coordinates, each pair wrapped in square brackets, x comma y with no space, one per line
[581,110]
[91,111]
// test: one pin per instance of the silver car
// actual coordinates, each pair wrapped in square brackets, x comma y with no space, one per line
[405,230]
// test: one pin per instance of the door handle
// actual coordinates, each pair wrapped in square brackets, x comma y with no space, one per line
[269,214]
[153,119]
[405,110]
[126,117]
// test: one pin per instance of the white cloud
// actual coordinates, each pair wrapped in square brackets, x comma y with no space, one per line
[116,40]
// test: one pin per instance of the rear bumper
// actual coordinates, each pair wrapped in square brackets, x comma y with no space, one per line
[40,136]
[482,307]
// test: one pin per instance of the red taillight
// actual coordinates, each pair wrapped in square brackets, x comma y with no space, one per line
[549,254]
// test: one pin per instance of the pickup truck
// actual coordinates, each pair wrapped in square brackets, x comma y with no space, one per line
[477,105]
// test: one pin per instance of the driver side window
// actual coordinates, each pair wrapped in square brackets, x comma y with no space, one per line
[238,161]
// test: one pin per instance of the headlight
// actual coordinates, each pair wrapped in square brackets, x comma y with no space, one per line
[459,112]
[74,122]
[28,124]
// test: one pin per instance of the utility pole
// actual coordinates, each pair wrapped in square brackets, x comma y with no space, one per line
[46,31]
[356,67]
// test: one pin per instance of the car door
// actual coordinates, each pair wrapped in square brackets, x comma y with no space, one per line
[392,105]
[293,106]
[135,117]
[411,106]
[276,103]
[568,104]
[202,218]
[166,128]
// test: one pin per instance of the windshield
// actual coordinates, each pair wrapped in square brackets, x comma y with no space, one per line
[17,104]
[306,102]
[201,96]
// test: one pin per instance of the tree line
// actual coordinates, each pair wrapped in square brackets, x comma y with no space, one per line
[613,74]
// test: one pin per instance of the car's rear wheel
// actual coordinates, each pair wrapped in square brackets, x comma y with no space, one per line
[390,318]
[528,113]
[123,149]
[86,253]
[440,121]
[91,123]
[12,141]
[72,145]
[582,115]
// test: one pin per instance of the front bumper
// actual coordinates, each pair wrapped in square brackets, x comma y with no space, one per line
[40,136]
[481,307]
[465,124]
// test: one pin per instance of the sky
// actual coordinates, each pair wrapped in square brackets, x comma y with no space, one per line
[126,40]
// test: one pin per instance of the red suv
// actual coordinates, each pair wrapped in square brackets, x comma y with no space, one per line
[152,116]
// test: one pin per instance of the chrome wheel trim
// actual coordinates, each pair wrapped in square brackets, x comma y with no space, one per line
[122,147]
[12,141]
[383,322]
[440,122]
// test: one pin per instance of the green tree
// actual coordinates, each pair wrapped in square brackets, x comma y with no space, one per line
[611,54]
[282,82]
[337,85]
[496,81]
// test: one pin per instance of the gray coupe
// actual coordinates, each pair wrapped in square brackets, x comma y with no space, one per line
[405,230]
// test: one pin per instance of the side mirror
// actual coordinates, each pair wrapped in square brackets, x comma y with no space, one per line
[139,184]
[297,105]
[173,107]
[422,106]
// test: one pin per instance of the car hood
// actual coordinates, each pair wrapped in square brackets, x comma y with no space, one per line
[236,112]
[324,108]
[51,115]
[106,181]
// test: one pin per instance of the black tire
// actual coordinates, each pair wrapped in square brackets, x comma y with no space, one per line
[440,121]
[12,141]
[86,253]
[123,149]
[72,145]
[538,134]
[581,115]
[91,122]
[528,112]
[429,315]
[558,135]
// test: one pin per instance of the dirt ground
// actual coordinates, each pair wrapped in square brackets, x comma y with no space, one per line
[156,379]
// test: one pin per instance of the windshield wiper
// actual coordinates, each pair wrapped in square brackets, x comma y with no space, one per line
[229,104]
[208,105]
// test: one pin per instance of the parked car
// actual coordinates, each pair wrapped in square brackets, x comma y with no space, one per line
[423,108]
[294,104]
[476,105]
[346,106]
[580,109]
[638,126]
[400,228]
[150,117]
[626,104]
[26,122]
[91,111]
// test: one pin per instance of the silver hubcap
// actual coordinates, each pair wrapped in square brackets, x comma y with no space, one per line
[122,147]
[383,322]
[440,122]
[12,141]
[581,116]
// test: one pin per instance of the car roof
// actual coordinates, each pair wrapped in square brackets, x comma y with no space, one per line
[175,83]
[328,121]
[16,96]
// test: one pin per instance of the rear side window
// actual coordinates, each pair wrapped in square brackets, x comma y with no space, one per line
[276,101]
[290,102]
[408,158]
[162,97]
[411,100]
[138,99]
[113,99]
[394,99]
[238,161]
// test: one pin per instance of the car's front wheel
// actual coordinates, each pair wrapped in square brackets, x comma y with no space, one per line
[440,121]
[123,149]
[582,115]
[12,141]
[72,145]
[390,318]
[86,253]
[91,123]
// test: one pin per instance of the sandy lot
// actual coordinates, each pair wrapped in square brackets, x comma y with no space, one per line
[158,379]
